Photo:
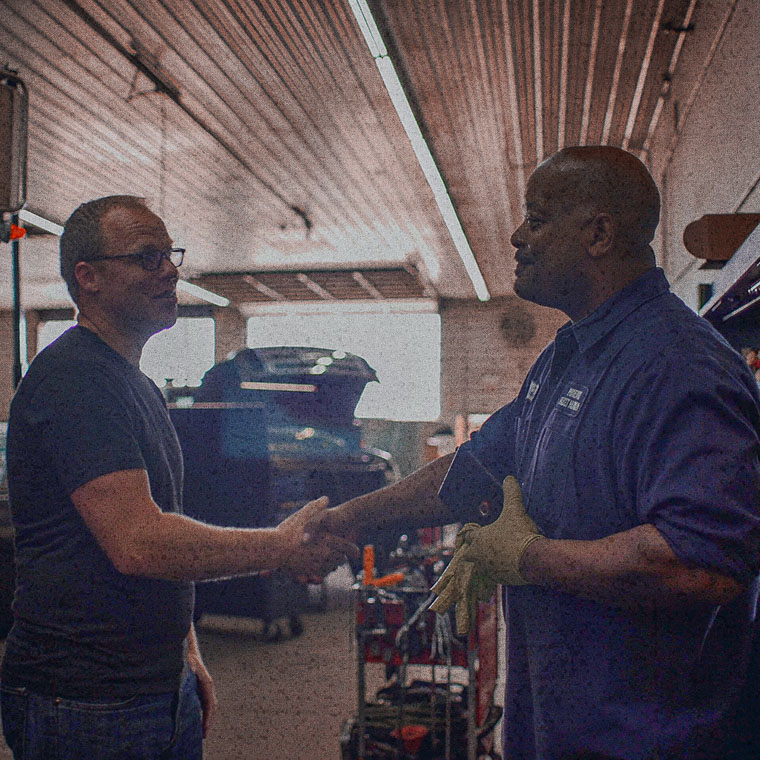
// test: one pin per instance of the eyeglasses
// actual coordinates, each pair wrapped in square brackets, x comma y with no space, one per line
[150,260]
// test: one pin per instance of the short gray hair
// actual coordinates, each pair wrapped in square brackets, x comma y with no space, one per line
[82,237]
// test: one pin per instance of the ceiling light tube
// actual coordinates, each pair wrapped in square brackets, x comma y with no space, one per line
[40,221]
[400,102]
[202,293]
[740,309]
[368,27]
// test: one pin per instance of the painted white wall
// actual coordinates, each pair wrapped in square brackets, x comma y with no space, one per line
[705,154]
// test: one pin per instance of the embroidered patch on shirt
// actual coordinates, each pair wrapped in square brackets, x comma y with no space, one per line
[572,399]
[532,390]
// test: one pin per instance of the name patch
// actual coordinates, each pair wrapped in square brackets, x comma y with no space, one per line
[571,400]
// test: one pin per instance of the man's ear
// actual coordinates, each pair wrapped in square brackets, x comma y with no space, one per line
[600,233]
[87,277]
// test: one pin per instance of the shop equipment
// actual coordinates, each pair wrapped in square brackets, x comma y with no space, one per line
[439,717]
[268,430]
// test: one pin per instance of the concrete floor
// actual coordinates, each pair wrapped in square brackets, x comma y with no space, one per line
[286,700]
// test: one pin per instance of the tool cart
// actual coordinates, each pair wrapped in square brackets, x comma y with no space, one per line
[449,712]
[268,430]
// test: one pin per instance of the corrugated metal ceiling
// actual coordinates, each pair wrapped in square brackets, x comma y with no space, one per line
[263,134]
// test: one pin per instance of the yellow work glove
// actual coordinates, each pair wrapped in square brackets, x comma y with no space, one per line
[463,585]
[486,555]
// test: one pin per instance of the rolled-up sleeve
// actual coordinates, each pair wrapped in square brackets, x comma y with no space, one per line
[691,459]
[472,486]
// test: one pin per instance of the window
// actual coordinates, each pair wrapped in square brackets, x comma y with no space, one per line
[51,329]
[402,343]
[182,354]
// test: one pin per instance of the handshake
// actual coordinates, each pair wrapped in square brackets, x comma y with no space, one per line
[484,556]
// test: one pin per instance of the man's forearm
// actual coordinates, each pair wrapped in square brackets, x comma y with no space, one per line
[634,569]
[411,503]
[175,547]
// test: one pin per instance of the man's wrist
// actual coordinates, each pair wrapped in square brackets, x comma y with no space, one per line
[276,548]
[527,561]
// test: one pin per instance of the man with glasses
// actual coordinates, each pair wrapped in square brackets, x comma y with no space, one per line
[102,660]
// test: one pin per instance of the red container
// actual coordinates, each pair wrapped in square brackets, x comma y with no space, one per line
[412,736]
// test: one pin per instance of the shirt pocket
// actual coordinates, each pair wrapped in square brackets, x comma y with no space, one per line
[550,482]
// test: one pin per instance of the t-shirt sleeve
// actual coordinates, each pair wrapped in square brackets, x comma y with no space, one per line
[690,456]
[472,486]
[85,420]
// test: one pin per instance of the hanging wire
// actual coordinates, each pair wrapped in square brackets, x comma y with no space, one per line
[162,159]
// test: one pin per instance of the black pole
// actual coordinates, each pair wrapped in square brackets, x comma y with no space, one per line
[16,308]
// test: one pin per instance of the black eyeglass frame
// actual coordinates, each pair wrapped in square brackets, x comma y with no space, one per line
[146,256]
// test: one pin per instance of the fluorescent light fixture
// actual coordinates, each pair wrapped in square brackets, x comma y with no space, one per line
[202,293]
[366,21]
[293,387]
[742,308]
[393,85]
[40,221]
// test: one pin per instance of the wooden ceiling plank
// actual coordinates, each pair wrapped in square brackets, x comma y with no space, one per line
[665,89]
[563,85]
[395,192]
[492,26]
[514,107]
[394,196]
[485,22]
[278,164]
[140,101]
[390,195]
[391,203]
[289,98]
[36,50]
[334,161]
[643,74]
[46,110]
[609,113]
[552,73]
[366,202]
[340,284]
[586,118]
[216,101]
[454,127]
[537,68]
[578,45]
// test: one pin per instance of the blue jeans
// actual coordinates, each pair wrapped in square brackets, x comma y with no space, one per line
[155,727]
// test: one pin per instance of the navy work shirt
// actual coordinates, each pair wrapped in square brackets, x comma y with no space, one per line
[639,413]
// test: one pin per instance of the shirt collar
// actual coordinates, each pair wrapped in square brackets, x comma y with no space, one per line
[615,309]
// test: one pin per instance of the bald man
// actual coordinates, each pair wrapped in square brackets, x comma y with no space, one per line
[630,563]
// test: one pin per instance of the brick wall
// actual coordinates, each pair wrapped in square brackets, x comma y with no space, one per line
[487,349]
[6,362]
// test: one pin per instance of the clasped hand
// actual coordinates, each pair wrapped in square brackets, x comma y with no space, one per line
[308,549]
[484,556]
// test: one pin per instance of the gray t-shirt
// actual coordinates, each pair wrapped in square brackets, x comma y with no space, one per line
[82,629]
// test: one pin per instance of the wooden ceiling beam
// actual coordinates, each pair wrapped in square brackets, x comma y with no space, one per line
[367,285]
[314,287]
[263,289]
